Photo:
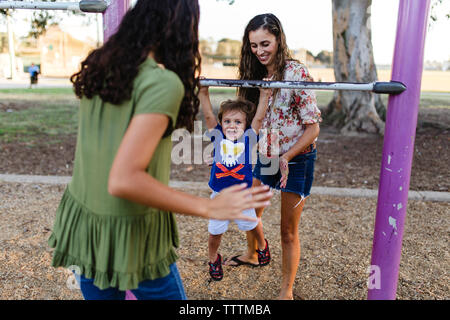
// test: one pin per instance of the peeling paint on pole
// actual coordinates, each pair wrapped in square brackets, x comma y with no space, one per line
[398,148]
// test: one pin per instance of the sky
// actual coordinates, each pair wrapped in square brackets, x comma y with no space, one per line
[307,24]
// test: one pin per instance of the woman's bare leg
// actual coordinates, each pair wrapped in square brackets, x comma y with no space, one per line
[291,209]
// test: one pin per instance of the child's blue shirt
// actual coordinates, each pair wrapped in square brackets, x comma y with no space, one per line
[232,159]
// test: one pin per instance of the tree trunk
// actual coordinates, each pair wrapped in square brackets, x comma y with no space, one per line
[353,62]
[11,47]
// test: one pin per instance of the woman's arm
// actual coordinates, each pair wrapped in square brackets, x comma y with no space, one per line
[128,178]
[263,103]
[205,103]
[309,135]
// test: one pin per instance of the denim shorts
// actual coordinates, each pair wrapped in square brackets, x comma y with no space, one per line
[300,177]
[169,287]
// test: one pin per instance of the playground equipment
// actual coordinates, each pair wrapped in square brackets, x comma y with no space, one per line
[83,5]
[398,147]
[401,122]
[392,87]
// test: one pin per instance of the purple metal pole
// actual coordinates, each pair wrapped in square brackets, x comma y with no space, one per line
[398,149]
[113,15]
[111,20]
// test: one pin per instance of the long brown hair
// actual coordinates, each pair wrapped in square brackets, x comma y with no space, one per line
[249,67]
[169,29]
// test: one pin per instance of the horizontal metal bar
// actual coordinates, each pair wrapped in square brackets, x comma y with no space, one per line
[93,6]
[84,5]
[392,87]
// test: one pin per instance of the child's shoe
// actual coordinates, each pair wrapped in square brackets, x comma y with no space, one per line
[215,269]
[264,255]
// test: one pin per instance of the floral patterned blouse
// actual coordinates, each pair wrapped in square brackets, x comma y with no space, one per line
[288,114]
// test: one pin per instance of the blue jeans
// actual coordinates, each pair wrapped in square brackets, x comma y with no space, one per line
[300,177]
[169,287]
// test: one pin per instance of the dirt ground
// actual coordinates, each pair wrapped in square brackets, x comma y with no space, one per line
[336,233]
[343,161]
[336,240]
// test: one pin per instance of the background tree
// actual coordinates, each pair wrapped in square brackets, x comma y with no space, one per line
[42,19]
[325,57]
[354,62]
[434,7]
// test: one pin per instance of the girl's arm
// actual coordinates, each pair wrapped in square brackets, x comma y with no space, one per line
[128,178]
[205,103]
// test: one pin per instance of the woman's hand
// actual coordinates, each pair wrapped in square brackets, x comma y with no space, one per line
[265,93]
[204,90]
[230,202]
[284,168]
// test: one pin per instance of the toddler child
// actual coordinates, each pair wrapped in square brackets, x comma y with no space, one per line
[234,136]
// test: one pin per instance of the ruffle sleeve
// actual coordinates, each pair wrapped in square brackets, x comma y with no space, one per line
[117,251]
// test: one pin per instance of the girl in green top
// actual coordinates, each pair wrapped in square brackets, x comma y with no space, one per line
[115,221]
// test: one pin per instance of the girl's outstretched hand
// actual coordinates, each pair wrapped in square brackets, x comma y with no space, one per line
[230,202]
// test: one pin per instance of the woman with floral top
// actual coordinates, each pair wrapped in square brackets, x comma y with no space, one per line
[287,150]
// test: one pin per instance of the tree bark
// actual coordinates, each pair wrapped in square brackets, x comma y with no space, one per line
[354,62]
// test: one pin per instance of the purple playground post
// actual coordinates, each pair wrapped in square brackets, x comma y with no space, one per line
[398,150]
[111,20]
[113,15]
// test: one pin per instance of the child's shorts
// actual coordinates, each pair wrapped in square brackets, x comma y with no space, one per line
[217,227]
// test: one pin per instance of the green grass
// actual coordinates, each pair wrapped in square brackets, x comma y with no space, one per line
[38,91]
[48,114]
[44,114]
[435,100]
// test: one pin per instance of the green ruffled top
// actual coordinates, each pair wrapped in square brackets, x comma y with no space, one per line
[117,242]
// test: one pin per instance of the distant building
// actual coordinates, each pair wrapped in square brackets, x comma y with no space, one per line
[227,52]
[56,52]
[5,59]
[29,52]
[304,56]
[61,54]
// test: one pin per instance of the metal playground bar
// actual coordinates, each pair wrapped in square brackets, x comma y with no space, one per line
[393,87]
[83,5]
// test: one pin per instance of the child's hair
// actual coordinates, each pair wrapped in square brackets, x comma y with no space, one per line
[250,68]
[239,104]
[169,29]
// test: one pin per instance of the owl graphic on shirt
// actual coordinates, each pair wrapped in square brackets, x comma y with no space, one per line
[231,151]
